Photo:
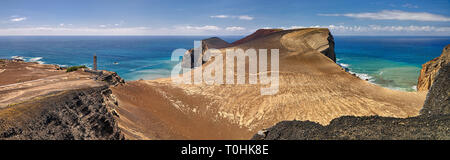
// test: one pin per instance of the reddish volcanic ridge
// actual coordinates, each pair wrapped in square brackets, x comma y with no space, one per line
[258,34]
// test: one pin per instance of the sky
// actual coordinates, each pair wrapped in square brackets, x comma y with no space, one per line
[223,17]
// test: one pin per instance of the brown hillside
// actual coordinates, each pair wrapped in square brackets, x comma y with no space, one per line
[258,34]
[312,87]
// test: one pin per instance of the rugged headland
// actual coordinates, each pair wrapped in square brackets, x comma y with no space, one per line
[45,102]
[432,123]
[430,69]
[312,87]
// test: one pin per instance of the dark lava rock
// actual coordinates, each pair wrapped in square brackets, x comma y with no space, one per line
[438,98]
[433,123]
[78,114]
[329,52]
[111,78]
[302,130]
[362,128]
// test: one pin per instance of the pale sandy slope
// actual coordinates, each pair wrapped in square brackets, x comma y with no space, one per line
[23,81]
[312,87]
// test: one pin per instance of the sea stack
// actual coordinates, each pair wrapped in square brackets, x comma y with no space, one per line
[197,60]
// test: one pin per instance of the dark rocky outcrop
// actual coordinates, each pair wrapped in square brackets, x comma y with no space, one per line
[197,60]
[111,78]
[329,52]
[438,98]
[76,114]
[361,128]
[430,69]
[432,123]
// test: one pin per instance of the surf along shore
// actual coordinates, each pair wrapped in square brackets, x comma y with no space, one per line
[312,87]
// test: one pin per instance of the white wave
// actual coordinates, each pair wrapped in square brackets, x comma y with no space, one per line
[87,65]
[414,88]
[363,76]
[17,57]
[29,59]
[344,65]
[381,73]
[36,59]
[62,65]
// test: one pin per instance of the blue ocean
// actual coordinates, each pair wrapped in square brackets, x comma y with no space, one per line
[392,62]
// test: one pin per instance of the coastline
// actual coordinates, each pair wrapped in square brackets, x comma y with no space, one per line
[398,76]
[145,74]
[312,88]
[154,74]
[152,55]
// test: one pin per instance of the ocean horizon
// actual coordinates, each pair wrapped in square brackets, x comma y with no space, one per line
[389,61]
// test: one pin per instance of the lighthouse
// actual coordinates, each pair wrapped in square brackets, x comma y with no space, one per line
[95,62]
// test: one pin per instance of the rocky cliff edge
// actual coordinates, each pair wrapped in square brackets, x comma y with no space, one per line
[432,123]
[430,69]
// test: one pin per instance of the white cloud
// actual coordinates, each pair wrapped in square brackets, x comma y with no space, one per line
[18,19]
[411,28]
[241,17]
[395,15]
[235,28]
[245,17]
[74,31]
[117,30]
[61,25]
[232,30]
[382,30]
[295,27]
[409,5]
[207,27]
[220,16]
